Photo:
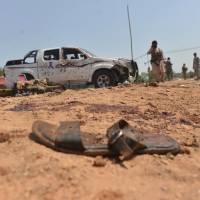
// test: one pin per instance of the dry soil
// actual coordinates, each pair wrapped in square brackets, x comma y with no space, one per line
[32,171]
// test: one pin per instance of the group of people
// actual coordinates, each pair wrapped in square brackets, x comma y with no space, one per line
[162,69]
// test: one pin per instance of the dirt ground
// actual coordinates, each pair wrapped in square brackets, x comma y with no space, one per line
[32,171]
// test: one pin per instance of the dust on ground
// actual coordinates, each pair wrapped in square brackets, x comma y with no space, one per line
[32,171]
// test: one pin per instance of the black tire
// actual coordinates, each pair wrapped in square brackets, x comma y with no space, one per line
[103,78]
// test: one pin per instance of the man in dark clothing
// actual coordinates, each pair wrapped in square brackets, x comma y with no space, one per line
[184,71]
[168,69]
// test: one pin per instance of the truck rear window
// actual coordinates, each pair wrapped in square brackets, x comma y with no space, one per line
[51,54]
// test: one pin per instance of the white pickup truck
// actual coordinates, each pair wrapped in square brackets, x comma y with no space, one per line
[69,64]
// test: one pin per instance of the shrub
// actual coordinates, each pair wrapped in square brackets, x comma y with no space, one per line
[1,72]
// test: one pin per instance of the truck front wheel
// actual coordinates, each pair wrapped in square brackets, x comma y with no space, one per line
[103,78]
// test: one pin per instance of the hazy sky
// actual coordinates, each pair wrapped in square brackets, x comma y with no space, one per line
[100,26]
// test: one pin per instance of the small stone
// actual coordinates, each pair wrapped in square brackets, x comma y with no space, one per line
[164,189]
[99,162]
[4,137]
[170,156]
[185,150]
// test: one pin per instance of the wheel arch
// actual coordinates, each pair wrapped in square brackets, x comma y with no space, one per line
[29,76]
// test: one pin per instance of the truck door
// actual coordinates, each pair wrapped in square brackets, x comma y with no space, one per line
[30,66]
[74,65]
[48,62]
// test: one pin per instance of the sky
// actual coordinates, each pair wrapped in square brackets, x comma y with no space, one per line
[101,26]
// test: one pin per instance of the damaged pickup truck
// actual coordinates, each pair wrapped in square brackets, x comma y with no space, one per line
[70,65]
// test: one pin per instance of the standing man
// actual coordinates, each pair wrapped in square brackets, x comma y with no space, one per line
[196,66]
[168,69]
[157,62]
[184,71]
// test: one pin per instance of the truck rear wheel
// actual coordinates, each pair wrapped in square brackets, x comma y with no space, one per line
[103,78]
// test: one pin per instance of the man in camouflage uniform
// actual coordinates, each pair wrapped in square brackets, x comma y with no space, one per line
[196,66]
[157,62]
[184,71]
[168,69]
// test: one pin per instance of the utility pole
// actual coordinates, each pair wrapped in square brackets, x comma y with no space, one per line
[130,31]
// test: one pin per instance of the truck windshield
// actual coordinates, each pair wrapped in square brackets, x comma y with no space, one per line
[88,53]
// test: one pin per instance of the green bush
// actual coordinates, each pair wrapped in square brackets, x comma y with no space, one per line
[191,74]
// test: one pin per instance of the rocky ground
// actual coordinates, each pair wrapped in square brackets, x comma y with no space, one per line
[32,171]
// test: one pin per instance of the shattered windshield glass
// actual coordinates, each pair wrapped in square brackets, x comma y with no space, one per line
[89,53]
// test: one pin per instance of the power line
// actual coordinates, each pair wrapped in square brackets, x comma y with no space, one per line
[172,51]
[143,55]
[182,50]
